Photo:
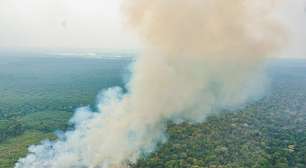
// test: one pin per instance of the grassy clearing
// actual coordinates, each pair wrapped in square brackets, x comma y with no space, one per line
[14,148]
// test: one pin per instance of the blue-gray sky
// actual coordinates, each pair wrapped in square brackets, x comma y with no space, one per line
[98,24]
[63,24]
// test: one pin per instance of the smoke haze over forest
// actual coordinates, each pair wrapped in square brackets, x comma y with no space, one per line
[200,57]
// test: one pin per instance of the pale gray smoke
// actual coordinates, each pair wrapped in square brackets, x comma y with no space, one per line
[202,56]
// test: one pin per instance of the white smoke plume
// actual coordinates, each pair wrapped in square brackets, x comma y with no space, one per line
[202,56]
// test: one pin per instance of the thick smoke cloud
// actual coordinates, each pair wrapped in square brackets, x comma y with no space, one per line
[202,56]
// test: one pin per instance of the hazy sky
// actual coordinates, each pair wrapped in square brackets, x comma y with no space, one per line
[63,24]
[96,24]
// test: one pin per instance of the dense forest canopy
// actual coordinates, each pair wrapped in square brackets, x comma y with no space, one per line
[38,95]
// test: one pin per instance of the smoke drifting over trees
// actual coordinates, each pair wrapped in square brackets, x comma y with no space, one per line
[201,57]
